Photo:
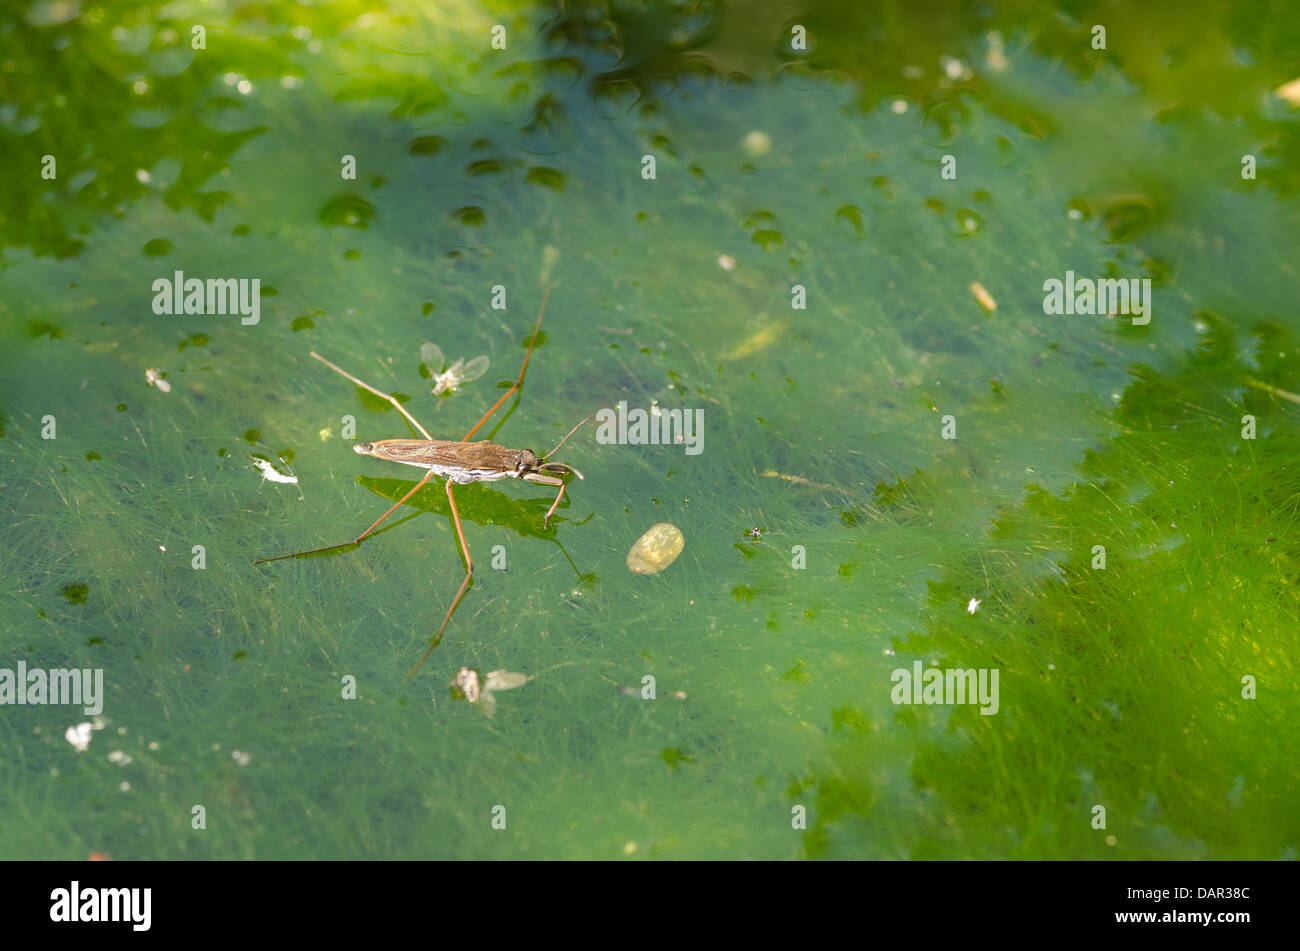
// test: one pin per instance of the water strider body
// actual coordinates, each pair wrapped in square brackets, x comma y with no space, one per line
[466,462]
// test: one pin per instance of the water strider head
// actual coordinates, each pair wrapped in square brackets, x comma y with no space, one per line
[539,464]
[559,468]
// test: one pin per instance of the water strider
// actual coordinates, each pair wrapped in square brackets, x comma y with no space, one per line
[459,462]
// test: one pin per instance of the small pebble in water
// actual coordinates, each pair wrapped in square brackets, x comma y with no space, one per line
[656,549]
[756,144]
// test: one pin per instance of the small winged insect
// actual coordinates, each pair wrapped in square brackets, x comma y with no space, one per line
[447,378]
[469,684]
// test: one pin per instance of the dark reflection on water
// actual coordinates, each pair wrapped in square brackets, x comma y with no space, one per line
[124,104]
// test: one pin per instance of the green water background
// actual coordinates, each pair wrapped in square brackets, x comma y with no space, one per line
[522,167]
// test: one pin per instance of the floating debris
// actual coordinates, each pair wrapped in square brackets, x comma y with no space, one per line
[763,338]
[755,533]
[469,684]
[270,473]
[955,69]
[155,378]
[639,692]
[656,549]
[1290,92]
[984,297]
[973,605]
[996,57]
[726,262]
[447,378]
[79,736]
[756,144]
[1260,385]
[240,757]
[798,480]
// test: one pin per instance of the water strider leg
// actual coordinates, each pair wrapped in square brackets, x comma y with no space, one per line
[469,575]
[358,540]
[366,386]
[520,382]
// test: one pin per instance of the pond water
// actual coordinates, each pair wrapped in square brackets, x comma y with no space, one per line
[823,231]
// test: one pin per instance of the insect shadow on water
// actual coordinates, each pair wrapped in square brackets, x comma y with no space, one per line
[460,463]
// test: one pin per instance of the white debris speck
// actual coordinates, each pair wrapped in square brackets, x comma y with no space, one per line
[125,787]
[117,756]
[972,605]
[240,757]
[1075,213]
[270,473]
[142,176]
[153,745]
[1290,92]
[899,106]
[955,68]
[79,736]
[995,58]
[890,652]
[726,262]
[154,378]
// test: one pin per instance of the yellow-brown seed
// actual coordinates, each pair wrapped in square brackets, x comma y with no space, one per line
[656,549]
